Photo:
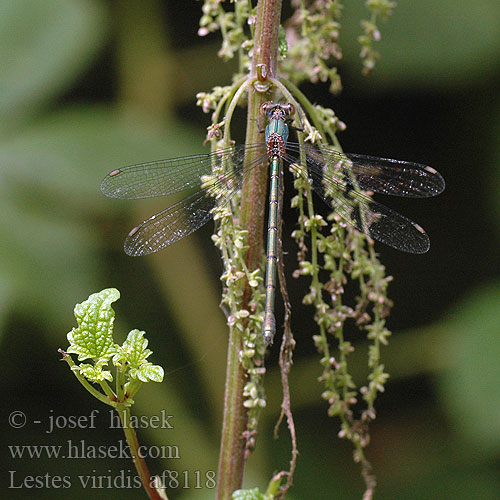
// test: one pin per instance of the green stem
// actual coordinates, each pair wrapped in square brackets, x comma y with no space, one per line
[231,461]
[109,400]
[139,462]
[229,97]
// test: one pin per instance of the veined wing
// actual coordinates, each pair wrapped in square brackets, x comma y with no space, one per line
[163,177]
[192,212]
[173,223]
[360,211]
[381,175]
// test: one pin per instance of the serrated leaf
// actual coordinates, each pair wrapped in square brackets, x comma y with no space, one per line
[134,353]
[135,348]
[95,373]
[93,338]
[147,372]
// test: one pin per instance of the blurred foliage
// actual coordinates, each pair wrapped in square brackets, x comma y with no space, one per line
[66,122]
[51,165]
[45,45]
[467,387]
[425,43]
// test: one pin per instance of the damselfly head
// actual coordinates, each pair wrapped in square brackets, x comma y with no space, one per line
[275,111]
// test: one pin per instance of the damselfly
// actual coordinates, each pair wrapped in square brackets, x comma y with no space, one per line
[340,179]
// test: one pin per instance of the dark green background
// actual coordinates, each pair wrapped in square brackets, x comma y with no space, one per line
[87,86]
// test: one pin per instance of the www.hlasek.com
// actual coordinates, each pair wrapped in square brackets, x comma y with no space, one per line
[125,479]
[81,450]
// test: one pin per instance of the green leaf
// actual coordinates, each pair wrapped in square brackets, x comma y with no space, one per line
[93,338]
[147,372]
[253,494]
[134,354]
[95,373]
[135,347]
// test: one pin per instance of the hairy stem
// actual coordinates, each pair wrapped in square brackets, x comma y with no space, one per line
[231,462]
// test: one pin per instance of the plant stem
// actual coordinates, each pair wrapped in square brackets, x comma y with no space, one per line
[139,462]
[267,26]
[255,184]
[231,461]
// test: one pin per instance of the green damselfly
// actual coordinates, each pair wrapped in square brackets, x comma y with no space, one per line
[340,179]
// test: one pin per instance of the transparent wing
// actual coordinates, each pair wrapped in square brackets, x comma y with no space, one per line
[381,175]
[360,211]
[220,177]
[163,177]
[173,223]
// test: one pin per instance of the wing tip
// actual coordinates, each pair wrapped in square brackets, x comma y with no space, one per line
[109,190]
